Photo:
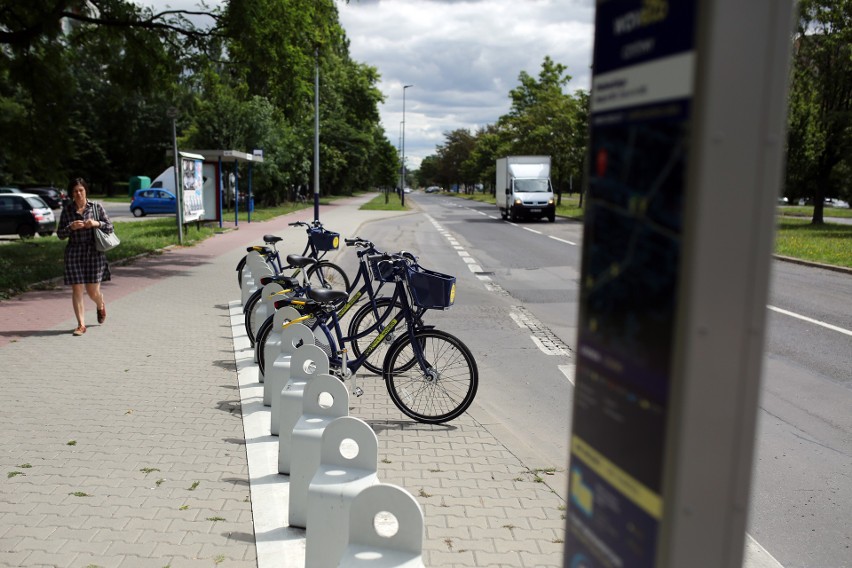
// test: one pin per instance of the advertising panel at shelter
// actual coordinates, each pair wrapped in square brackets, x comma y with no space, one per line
[192,182]
[644,59]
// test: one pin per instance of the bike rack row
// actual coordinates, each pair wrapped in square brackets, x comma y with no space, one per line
[350,517]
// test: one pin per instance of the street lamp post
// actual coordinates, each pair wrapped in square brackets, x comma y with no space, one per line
[402,186]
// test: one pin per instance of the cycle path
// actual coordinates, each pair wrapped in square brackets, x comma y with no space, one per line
[142,443]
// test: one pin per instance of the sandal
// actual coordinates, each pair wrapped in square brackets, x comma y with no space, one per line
[102,314]
[81,329]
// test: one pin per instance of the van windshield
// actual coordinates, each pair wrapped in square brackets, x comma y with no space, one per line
[532,186]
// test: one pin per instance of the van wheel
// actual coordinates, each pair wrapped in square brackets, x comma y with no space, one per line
[513,216]
[551,217]
[503,214]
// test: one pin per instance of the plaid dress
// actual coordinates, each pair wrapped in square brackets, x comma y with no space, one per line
[83,262]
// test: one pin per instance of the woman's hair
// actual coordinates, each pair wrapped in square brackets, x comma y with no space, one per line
[75,182]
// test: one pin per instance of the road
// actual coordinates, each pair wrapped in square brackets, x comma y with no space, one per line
[517,301]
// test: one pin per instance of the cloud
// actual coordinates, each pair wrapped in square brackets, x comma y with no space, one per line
[463,58]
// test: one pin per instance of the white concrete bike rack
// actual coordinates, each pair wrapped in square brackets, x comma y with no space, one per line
[339,478]
[325,398]
[291,338]
[272,347]
[307,362]
[374,542]
[259,268]
[266,306]
[251,258]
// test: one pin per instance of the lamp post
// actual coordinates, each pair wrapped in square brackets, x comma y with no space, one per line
[402,186]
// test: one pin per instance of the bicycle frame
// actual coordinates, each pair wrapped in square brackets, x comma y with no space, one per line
[338,359]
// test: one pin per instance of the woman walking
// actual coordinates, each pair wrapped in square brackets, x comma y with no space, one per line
[85,266]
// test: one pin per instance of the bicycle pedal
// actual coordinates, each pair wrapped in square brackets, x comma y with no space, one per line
[358,391]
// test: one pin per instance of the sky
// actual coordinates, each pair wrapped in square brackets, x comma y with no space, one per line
[461,56]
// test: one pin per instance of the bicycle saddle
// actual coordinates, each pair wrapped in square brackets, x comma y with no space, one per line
[327,296]
[271,239]
[299,260]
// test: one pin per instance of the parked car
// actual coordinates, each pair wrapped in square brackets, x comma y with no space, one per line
[834,202]
[10,190]
[25,214]
[433,189]
[151,200]
[53,196]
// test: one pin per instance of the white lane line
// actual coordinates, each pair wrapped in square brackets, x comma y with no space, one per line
[517,319]
[468,260]
[474,268]
[568,371]
[532,230]
[463,253]
[811,320]
[563,240]
[481,213]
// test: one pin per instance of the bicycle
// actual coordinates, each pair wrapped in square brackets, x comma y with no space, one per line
[320,242]
[315,271]
[376,306]
[431,375]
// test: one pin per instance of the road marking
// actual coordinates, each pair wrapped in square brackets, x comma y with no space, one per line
[811,320]
[464,254]
[758,557]
[563,240]
[568,371]
[531,230]
[474,268]
[547,341]
[468,260]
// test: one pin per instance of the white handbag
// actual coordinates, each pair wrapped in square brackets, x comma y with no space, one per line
[103,241]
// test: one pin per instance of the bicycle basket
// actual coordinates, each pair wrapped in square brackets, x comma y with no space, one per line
[431,290]
[325,240]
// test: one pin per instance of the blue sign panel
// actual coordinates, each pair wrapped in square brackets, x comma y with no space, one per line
[644,58]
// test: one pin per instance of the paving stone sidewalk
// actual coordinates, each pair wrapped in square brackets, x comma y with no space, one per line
[127,447]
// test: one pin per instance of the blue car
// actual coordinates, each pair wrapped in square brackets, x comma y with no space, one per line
[148,201]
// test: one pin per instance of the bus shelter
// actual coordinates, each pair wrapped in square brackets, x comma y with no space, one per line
[219,166]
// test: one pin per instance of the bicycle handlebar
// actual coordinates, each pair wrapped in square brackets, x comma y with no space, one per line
[314,223]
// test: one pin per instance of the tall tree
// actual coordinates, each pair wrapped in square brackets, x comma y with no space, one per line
[820,115]
[545,120]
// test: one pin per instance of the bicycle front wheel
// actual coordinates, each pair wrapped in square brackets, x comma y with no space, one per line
[325,274]
[440,386]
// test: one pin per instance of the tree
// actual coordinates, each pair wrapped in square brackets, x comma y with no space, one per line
[820,108]
[544,120]
[452,157]
[25,23]
[83,99]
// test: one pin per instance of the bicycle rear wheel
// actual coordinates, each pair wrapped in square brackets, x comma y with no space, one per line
[325,274]
[249,313]
[240,266]
[260,346]
[438,389]
[364,319]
